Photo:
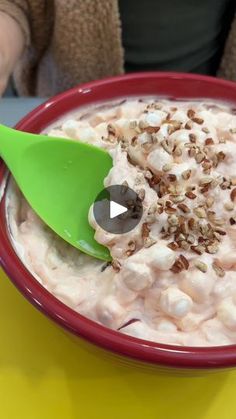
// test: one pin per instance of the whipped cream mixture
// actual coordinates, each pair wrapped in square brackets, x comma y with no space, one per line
[172,278]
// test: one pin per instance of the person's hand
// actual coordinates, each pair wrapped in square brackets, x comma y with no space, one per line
[11,47]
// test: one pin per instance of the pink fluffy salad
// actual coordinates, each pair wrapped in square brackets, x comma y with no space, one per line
[172,278]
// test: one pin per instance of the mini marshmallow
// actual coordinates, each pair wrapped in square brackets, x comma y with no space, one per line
[197,285]
[175,303]
[137,156]
[180,116]
[70,127]
[155,119]
[160,257]
[137,276]
[226,312]
[101,129]
[165,325]
[158,158]
[71,292]
[181,136]
[178,169]
[110,312]
[138,329]
[86,135]
[163,131]
[123,127]
[143,138]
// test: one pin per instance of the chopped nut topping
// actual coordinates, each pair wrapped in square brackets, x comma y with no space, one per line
[209,202]
[229,206]
[220,231]
[177,198]
[155,180]
[173,245]
[148,242]
[199,229]
[175,126]
[190,239]
[116,265]
[131,248]
[111,129]
[190,195]
[233,195]
[214,183]
[177,151]
[209,141]
[199,157]
[218,270]
[184,261]
[133,124]
[151,130]
[192,138]
[142,125]
[145,230]
[152,209]
[198,120]
[219,221]
[124,187]
[180,264]
[171,177]
[206,164]
[173,220]
[170,210]
[184,228]
[183,244]
[200,212]
[148,174]
[166,146]
[204,189]
[221,156]
[160,209]
[200,265]
[193,224]
[141,194]
[191,113]
[199,249]
[192,152]
[188,125]
[205,181]
[186,174]
[214,160]
[167,167]
[134,140]
[212,248]
[183,208]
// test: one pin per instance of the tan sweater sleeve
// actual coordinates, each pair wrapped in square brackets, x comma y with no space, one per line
[18,10]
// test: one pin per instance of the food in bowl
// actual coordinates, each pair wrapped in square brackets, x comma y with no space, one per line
[172,278]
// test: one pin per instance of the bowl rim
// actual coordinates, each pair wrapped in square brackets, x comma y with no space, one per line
[117,342]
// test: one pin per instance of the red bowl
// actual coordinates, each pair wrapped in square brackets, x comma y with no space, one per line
[168,85]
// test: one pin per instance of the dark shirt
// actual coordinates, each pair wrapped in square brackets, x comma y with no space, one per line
[175,35]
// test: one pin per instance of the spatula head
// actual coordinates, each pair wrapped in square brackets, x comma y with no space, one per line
[61,179]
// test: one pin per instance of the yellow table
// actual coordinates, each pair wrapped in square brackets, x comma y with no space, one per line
[44,374]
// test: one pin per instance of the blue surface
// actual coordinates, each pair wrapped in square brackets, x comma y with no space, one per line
[13,109]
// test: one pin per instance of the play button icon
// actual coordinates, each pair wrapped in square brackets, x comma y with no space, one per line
[117,209]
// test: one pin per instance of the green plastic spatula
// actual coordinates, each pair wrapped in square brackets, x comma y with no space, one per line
[60,179]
